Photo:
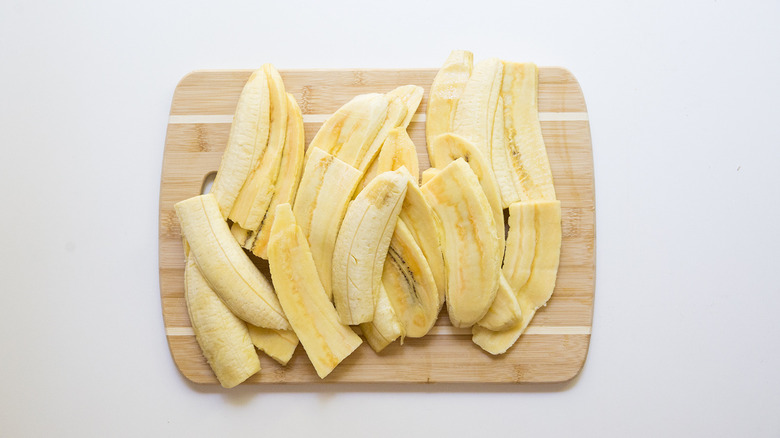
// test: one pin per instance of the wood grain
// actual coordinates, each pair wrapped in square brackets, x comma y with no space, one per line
[556,344]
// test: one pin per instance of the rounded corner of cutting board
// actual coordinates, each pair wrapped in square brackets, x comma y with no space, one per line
[203,103]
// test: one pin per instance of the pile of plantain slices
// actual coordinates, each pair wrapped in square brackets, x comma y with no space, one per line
[354,243]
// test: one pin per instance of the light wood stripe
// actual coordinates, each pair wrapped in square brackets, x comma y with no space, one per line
[441,331]
[320,118]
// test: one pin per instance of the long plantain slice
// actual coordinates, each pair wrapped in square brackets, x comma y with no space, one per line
[226,267]
[278,344]
[223,337]
[286,184]
[541,282]
[470,245]
[445,93]
[252,202]
[524,142]
[326,341]
[246,143]
[320,205]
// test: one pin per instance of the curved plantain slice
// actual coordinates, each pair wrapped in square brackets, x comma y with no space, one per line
[505,312]
[222,337]
[446,90]
[477,105]
[524,142]
[508,181]
[520,244]
[420,219]
[351,130]
[286,184]
[398,150]
[541,282]
[277,344]
[252,202]
[410,96]
[361,247]
[402,104]
[428,174]
[326,341]
[409,284]
[470,245]
[246,142]
[385,328]
[324,193]
[226,266]
[448,148]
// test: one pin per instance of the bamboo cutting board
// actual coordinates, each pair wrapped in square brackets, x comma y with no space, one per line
[555,345]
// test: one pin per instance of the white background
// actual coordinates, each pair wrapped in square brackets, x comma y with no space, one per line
[683,101]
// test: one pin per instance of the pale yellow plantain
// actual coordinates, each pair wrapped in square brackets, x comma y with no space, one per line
[420,219]
[445,92]
[279,345]
[523,132]
[252,202]
[428,174]
[323,195]
[410,96]
[361,246]
[448,148]
[520,244]
[222,337]
[505,312]
[477,105]
[508,181]
[226,267]
[409,284]
[402,104]
[351,130]
[312,316]
[246,142]
[541,282]
[398,150]
[385,328]
[469,242]
[286,184]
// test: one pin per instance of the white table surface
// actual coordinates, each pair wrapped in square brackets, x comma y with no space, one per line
[683,103]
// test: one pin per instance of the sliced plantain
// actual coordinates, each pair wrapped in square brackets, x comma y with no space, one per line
[385,328]
[222,337]
[469,242]
[524,142]
[409,284]
[226,267]
[323,195]
[448,148]
[246,142]
[477,105]
[520,244]
[541,282]
[402,104]
[326,341]
[278,344]
[505,312]
[445,93]
[410,96]
[398,150]
[286,184]
[420,219]
[361,247]
[252,202]
[428,174]
[508,181]
[351,130]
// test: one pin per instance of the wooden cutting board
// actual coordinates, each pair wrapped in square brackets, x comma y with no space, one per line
[555,345]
